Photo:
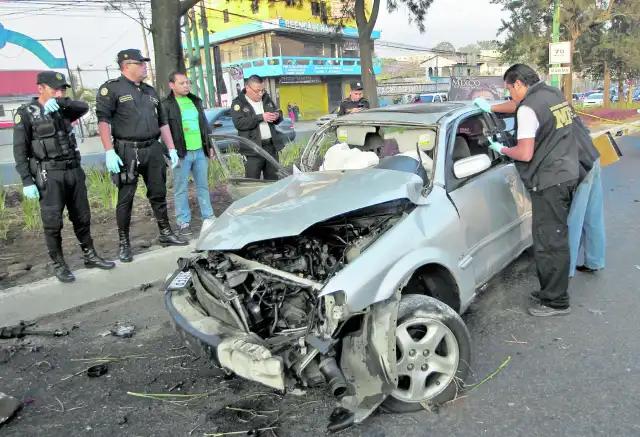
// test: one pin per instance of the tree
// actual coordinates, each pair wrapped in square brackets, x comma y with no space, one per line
[165,28]
[528,31]
[445,46]
[358,9]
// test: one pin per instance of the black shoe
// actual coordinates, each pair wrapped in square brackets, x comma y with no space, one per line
[167,237]
[539,310]
[125,247]
[91,259]
[585,269]
[61,269]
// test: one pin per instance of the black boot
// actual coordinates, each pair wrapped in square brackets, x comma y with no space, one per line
[91,258]
[60,268]
[125,247]
[167,237]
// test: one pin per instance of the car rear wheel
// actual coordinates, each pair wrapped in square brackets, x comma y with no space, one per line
[433,353]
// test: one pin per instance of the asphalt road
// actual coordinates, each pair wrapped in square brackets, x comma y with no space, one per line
[571,376]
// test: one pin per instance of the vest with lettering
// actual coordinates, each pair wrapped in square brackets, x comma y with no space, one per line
[555,155]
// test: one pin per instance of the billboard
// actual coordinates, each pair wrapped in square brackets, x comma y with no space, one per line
[471,87]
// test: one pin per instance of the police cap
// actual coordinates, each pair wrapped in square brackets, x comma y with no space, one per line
[131,55]
[52,78]
[356,86]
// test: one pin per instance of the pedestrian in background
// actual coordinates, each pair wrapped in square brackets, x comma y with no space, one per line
[586,216]
[48,161]
[547,160]
[130,120]
[190,133]
[255,117]
[292,114]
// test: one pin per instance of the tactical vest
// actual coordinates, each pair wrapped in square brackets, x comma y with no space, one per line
[51,136]
[555,155]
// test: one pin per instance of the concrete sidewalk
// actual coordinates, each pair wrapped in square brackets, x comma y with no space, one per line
[49,296]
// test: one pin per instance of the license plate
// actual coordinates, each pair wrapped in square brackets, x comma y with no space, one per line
[180,280]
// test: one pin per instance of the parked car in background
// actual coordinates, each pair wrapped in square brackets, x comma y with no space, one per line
[353,275]
[579,97]
[220,122]
[327,118]
[433,98]
[595,99]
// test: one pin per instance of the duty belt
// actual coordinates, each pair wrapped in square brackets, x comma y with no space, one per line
[60,165]
[138,144]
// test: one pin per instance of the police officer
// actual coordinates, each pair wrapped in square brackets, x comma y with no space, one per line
[48,162]
[255,116]
[130,120]
[548,163]
[355,102]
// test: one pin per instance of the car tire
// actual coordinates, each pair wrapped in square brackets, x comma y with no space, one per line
[419,316]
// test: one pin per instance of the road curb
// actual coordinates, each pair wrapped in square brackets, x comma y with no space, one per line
[49,296]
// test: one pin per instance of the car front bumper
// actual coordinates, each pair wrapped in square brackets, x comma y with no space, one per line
[233,349]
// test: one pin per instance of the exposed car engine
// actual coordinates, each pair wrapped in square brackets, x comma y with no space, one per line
[270,288]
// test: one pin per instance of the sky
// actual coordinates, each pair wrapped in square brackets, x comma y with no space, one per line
[92,37]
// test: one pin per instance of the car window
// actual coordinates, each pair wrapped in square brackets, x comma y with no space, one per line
[444,98]
[471,138]
[426,99]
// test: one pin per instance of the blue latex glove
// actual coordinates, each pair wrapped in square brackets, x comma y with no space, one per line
[113,161]
[51,106]
[174,158]
[31,192]
[496,146]
[482,104]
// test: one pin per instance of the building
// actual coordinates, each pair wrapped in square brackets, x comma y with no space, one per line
[305,61]
[485,63]
[16,88]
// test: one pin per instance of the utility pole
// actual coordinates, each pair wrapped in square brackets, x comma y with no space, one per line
[106,69]
[80,77]
[191,56]
[146,45]
[555,37]
[207,55]
[196,46]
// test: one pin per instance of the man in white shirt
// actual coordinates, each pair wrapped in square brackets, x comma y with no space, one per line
[255,116]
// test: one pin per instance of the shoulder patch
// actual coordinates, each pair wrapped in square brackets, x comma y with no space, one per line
[104,91]
[17,119]
[236,107]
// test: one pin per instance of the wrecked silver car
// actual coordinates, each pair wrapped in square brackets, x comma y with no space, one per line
[352,273]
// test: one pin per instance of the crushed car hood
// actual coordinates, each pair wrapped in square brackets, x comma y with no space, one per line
[291,205]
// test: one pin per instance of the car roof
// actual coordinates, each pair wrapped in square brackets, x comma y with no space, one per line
[418,113]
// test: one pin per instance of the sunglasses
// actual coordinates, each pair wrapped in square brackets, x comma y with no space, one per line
[259,92]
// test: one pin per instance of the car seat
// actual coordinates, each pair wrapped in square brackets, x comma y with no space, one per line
[460,148]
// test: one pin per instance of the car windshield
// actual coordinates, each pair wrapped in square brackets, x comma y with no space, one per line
[355,146]
[426,99]
[595,96]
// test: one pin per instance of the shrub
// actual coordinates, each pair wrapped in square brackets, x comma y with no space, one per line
[31,214]
[102,189]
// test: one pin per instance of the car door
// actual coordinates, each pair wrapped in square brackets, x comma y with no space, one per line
[489,204]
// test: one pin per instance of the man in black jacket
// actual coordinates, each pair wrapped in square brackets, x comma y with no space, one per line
[190,132]
[255,116]
[48,162]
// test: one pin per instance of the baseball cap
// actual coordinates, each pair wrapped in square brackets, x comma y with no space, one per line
[52,78]
[131,55]
[356,86]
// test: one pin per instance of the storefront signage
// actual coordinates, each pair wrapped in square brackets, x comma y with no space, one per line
[300,79]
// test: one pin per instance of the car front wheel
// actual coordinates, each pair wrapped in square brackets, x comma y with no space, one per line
[433,354]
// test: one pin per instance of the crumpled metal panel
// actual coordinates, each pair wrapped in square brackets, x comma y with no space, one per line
[293,204]
[368,359]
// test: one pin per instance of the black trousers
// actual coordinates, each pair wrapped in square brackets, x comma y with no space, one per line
[153,168]
[550,209]
[65,188]
[257,165]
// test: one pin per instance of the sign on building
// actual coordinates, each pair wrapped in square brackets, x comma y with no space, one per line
[560,52]
[471,87]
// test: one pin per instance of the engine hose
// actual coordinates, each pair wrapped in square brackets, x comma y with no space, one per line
[335,378]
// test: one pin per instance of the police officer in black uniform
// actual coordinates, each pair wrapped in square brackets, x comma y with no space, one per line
[355,102]
[48,162]
[130,121]
[547,158]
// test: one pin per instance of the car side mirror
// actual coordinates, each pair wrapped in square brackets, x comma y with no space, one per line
[463,168]
[217,124]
